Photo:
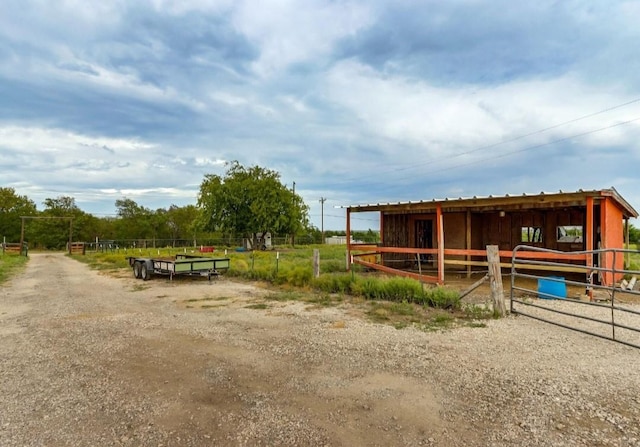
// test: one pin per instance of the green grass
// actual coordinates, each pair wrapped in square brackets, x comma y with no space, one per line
[10,265]
[634,259]
[259,306]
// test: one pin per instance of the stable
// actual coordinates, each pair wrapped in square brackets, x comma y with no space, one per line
[423,239]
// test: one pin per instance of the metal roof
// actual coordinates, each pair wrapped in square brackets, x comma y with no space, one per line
[551,197]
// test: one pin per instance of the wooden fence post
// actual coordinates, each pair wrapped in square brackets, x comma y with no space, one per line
[316,263]
[495,280]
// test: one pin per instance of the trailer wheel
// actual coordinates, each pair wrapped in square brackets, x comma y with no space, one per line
[137,266]
[145,273]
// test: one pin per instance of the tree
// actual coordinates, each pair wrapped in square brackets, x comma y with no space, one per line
[634,234]
[134,221]
[251,200]
[181,221]
[54,233]
[12,207]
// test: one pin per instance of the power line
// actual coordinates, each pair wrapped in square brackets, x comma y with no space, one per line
[536,146]
[510,140]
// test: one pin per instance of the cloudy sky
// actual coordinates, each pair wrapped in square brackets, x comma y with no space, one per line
[354,101]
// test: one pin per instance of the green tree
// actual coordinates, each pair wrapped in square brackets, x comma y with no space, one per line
[134,221]
[181,222]
[53,233]
[634,234]
[250,200]
[12,207]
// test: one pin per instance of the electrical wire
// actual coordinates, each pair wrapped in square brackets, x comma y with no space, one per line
[510,140]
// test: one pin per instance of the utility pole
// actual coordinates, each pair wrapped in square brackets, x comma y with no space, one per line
[322,200]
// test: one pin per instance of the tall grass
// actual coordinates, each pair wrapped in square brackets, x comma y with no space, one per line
[294,268]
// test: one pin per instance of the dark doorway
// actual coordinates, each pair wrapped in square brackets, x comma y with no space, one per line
[424,237]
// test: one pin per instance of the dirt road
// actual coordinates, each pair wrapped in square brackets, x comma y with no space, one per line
[88,359]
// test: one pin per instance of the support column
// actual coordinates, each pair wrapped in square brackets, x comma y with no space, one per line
[440,238]
[22,235]
[589,231]
[348,239]
[70,234]
[468,243]
[588,235]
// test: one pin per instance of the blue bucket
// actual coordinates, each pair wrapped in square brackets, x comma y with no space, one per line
[552,288]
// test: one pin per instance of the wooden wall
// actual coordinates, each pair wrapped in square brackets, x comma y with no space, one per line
[490,228]
[395,233]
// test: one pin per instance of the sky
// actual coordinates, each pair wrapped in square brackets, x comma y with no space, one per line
[353,102]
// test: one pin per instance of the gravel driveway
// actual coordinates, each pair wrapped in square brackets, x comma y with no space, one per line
[88,359]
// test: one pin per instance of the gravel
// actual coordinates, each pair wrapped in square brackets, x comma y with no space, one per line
[91,359]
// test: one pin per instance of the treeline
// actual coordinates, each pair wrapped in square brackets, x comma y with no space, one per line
[133,224]
[51,227]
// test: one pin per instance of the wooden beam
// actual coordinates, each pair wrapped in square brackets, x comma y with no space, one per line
[348,237]
[468,241]
[507,265]
[384,268]
[495,280]
[440,227]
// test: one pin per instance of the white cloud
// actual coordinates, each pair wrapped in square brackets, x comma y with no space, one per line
[290,32]
[36,139]
[443,121]
[204,162]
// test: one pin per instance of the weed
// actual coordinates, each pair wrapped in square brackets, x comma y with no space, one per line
[477,312]
[403,308]
[379,314]
[195,300]
[439,322]
[257,306]
[322,300]
[285,296]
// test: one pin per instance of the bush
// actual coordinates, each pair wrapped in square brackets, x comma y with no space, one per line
[336,283]
[442,298]
[332,266]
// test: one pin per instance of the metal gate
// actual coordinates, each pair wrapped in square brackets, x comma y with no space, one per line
[589,294]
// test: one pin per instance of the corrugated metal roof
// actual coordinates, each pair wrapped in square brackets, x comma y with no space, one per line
[452,200]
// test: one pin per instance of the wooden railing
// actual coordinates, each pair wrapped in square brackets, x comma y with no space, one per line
[371,256]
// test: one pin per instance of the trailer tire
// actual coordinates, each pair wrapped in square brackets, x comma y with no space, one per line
[137,267]
[145,271]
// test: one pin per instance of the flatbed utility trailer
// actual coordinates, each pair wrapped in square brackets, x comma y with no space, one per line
[181,264]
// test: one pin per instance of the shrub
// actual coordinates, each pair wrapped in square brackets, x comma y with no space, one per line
[442,298]
[300,276]
[332,266]
[336,283]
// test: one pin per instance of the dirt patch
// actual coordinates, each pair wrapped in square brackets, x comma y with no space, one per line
[89,359]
